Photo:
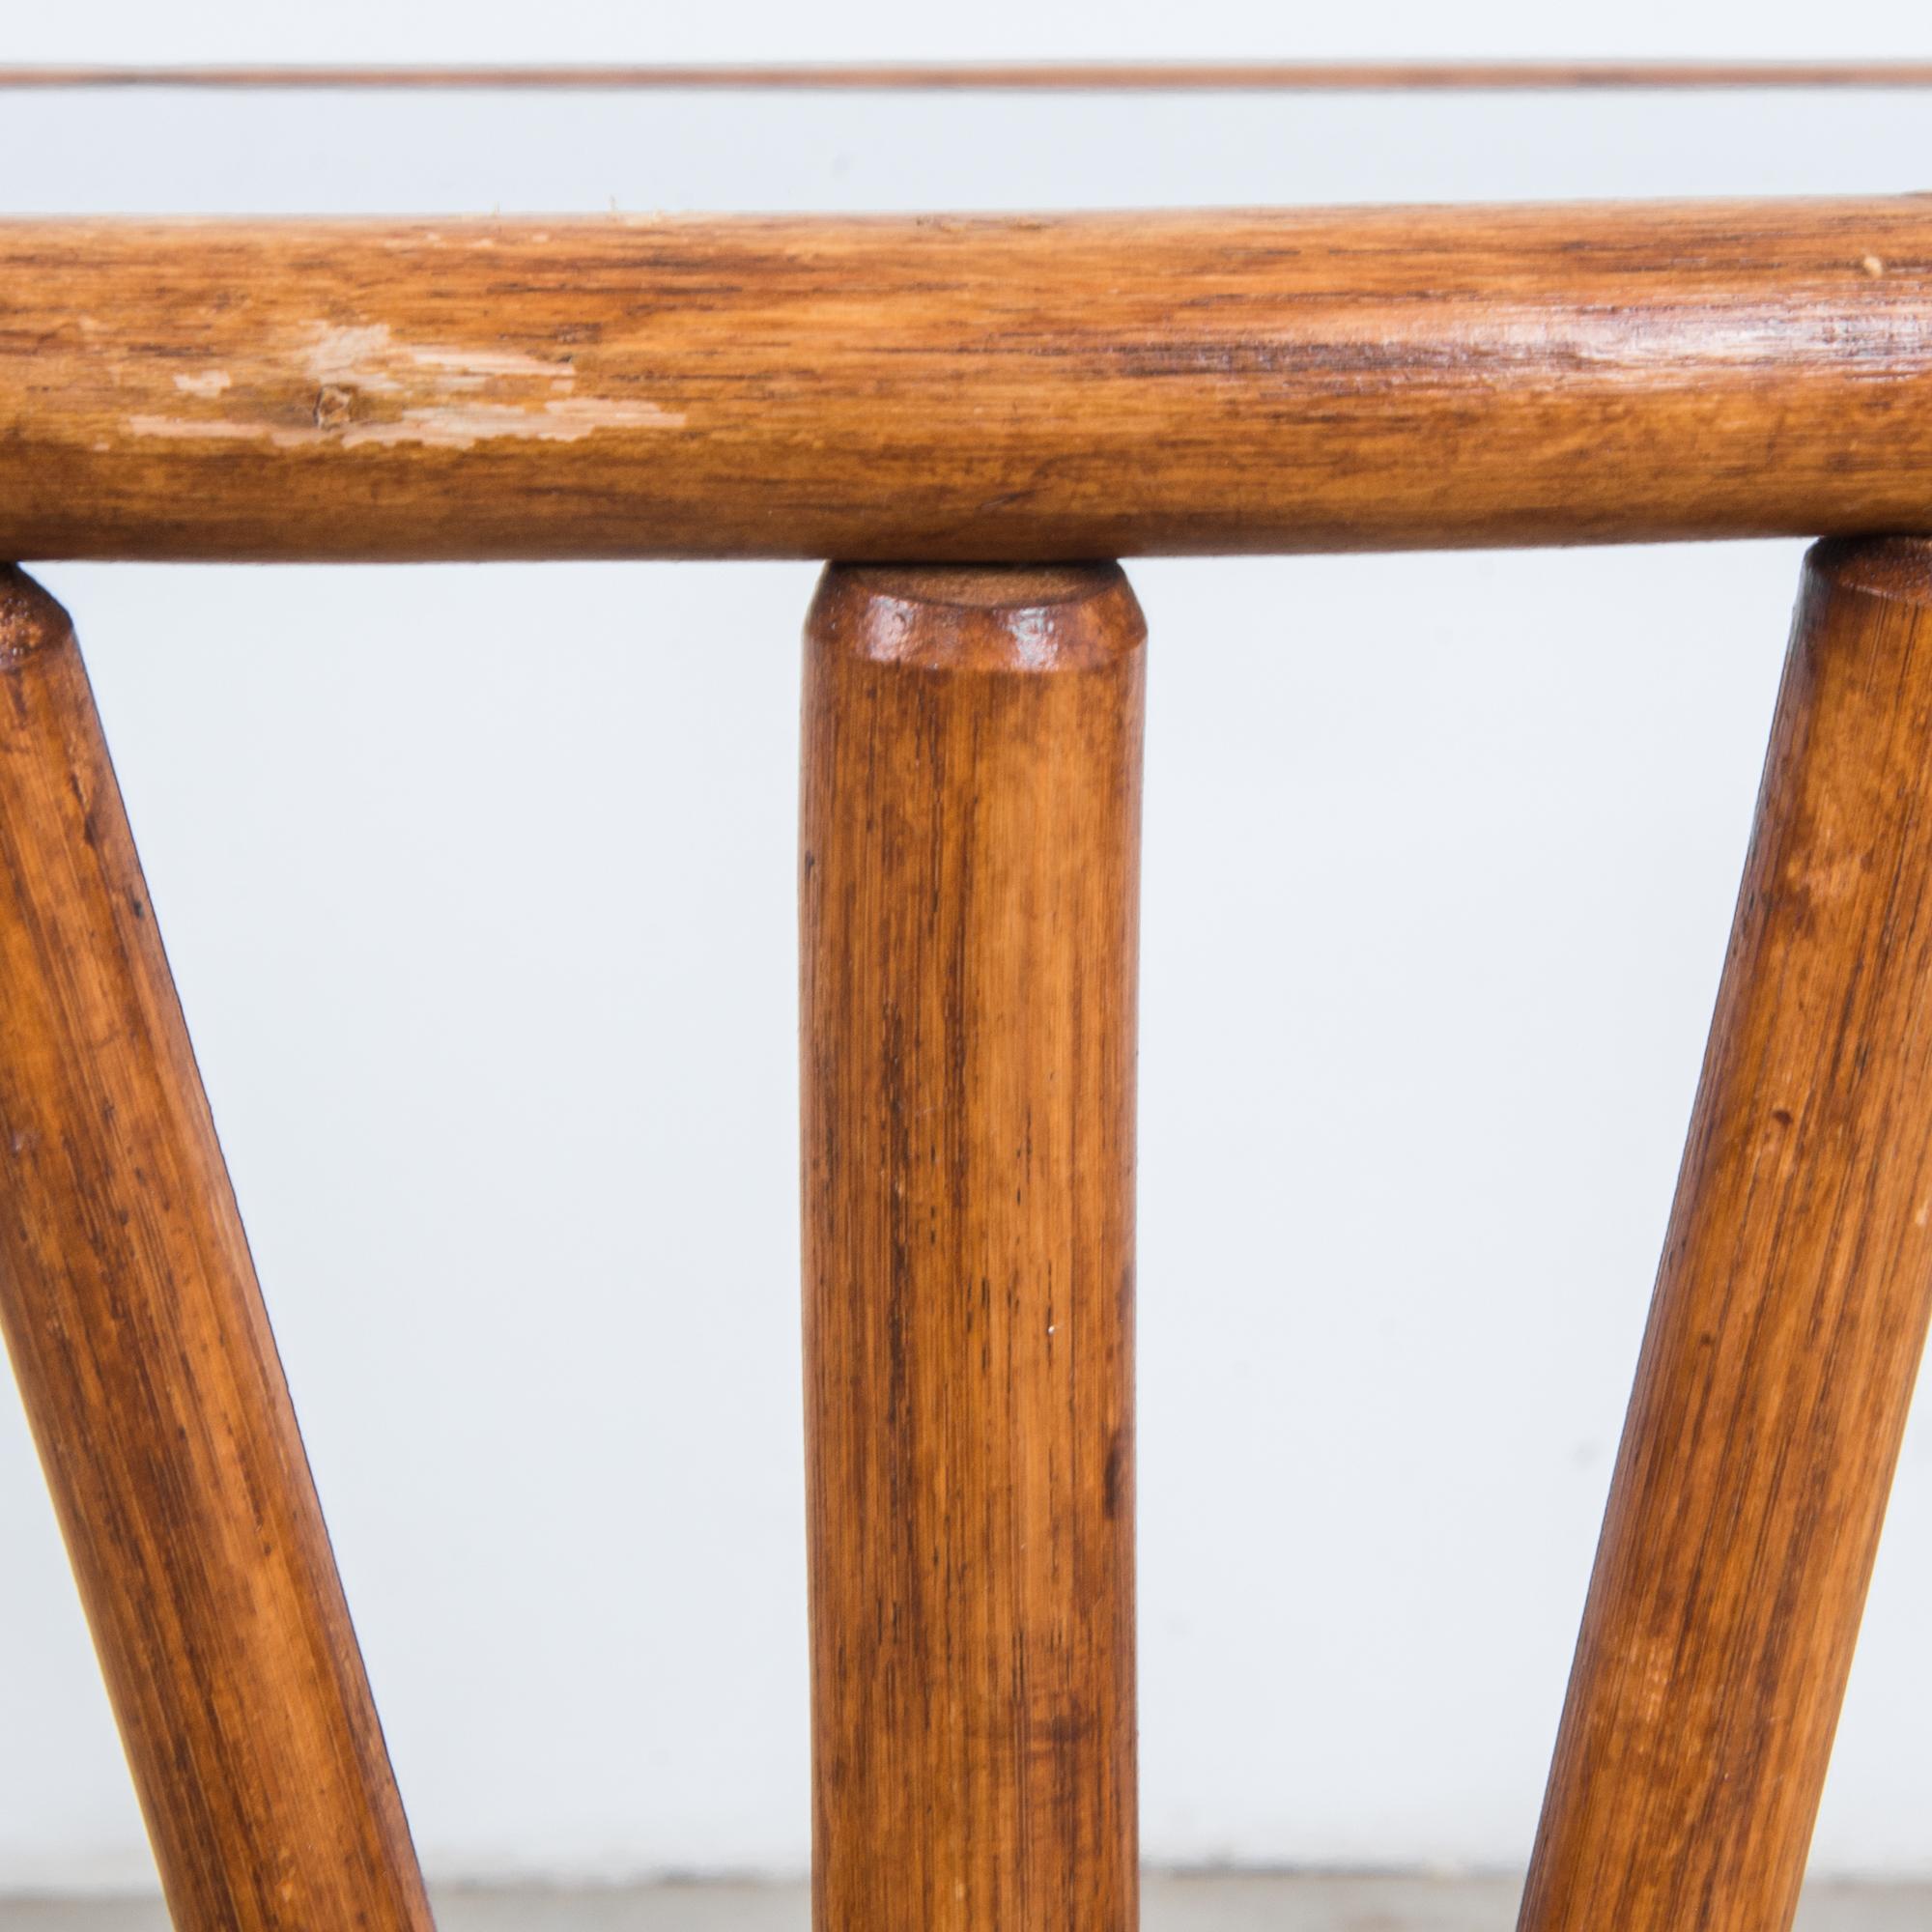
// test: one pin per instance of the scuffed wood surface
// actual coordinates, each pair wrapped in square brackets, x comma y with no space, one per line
[1020,389]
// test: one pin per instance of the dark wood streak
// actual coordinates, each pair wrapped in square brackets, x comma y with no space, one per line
[137,1333]
[1790,1314]
[969,893]
[965,388]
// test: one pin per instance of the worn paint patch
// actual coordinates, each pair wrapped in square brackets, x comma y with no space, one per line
[192,429]
[371,360]
[351,358]
[372,389]
[457,426]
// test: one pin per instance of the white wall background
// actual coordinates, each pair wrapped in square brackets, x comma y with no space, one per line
[478,884]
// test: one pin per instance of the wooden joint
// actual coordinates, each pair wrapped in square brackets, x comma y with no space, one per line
[30,619]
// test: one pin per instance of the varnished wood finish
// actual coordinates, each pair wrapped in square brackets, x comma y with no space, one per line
[1790,1312]
[989,389]
[137,1330]
[1022,76]
[970,895]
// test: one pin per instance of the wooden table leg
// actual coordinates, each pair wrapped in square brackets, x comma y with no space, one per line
[1790,1313]
[970,907]
[138,1333]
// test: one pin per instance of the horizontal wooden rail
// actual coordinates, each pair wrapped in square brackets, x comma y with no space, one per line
[960,389]
[1024,76]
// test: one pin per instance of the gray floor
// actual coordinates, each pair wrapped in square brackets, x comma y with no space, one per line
[1289,1904]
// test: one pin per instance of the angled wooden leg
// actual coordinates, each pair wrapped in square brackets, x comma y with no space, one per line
[132,1313]
[1790,1313]
[970,896]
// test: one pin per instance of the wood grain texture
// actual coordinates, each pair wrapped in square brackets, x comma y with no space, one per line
[965,389]
[969,885]
[130,1310]
[1790,1312]
[1008,76]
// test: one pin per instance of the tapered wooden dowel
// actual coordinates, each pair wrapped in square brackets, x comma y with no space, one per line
[130,1310]
[1790,1312]
[969,897]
